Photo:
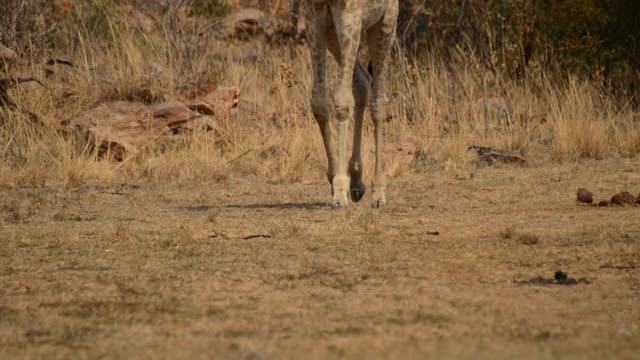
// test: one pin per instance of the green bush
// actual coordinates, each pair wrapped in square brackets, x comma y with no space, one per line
[97,19]
[18,22]
[208,8]
[599,38]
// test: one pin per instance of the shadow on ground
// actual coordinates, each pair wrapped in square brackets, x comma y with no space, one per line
[303,206]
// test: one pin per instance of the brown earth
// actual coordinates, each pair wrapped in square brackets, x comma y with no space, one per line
[251,269]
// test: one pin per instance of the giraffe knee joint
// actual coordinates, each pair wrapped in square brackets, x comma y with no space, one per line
[344,107]
[379,114]
[379,109]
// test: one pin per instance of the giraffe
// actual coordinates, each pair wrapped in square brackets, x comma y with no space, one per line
[338,26]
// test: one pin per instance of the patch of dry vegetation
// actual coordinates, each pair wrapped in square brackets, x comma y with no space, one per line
[444,107]
[522,238]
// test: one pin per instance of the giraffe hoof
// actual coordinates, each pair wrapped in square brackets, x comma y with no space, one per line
[357,193]
[377,204]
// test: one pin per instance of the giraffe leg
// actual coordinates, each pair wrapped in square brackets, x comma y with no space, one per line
[361,82]
[318,28]
[349,23]
[380,38]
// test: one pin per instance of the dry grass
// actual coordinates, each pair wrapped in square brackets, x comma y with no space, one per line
[522,238]
[551,120]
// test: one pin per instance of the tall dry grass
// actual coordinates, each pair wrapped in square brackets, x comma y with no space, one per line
[434,103]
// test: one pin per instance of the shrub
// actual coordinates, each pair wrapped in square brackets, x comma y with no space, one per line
[597,38]
[208,8]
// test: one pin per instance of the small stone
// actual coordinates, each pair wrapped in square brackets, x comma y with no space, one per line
[603,203]
[585,196]
[623,198]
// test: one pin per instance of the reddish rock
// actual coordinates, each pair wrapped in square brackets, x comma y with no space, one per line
[121,127]
[585,196]
[221,99]
[623,198]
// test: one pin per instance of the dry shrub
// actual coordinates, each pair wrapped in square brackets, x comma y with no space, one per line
[523,238]
[583,123]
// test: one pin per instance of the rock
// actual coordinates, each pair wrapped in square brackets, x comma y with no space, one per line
[219,99]
[7,55]
[585,196]
[604,203]
[623,198]
[246,22]
[492,156]
[120,127]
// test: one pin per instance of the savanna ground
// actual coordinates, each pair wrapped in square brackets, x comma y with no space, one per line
[221,243]
[251,269]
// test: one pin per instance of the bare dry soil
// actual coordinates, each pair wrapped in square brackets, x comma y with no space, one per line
[251,269]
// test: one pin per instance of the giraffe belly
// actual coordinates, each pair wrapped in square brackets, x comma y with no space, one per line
[371,10]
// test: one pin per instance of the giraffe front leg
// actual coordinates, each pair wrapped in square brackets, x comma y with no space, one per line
[348,25]
[318,28]
[320,109]
[380,38]
[340,184]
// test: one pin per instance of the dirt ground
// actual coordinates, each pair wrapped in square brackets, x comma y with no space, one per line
[251,269]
